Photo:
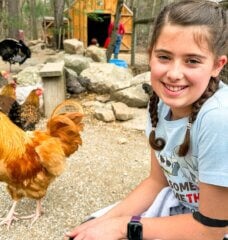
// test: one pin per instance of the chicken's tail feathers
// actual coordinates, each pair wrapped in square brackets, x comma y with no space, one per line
[67,126]
[66,106]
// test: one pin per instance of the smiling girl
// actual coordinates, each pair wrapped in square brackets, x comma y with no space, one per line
[185,196]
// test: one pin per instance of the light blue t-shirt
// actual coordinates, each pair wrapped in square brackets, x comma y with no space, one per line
[207,159]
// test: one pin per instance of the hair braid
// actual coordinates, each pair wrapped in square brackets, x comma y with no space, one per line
[210,90]
[155,143]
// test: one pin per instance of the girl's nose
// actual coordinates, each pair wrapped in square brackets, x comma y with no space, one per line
[175,73]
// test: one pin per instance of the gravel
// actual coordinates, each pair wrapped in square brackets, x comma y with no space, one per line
[112,160]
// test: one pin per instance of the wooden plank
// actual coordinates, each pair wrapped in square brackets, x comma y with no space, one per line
[54,86]
[52,69]
[126,19]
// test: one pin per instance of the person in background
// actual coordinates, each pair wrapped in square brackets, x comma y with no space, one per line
[94,42]
[119,37]
[185,195]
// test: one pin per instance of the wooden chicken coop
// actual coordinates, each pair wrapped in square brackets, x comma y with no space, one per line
[90,19]
[48,29]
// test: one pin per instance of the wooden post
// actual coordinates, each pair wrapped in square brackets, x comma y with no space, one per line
[54,86]
[133,41]
[110,48]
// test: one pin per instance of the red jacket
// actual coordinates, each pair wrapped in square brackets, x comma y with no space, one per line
[120,30]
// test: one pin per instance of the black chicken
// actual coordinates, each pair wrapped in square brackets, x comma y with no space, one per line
[14,51]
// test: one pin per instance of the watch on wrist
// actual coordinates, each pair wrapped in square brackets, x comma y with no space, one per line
[134,229]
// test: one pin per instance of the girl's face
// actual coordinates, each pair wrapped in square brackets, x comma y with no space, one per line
[181,68]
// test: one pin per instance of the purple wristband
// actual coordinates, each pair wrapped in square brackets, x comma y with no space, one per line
[135,218]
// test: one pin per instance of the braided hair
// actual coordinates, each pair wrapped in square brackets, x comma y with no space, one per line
[191,13]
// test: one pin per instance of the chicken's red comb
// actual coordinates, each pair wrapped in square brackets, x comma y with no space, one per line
[39,91]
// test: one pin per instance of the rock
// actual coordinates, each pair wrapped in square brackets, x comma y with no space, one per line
[106,77]
[73,46]
[141,78]
[105,115]
[122,111]
[122,140]
[138,122]
[29,76]
[84,81]
[93,104]
[132,96]
[77,63]
[37,48]
[96,53]
[103,98]
[35,42]
[73,86]
[55,57]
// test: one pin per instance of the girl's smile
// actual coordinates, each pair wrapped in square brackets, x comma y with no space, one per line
[173,90]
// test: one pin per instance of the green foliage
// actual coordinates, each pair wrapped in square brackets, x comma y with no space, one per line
[4,20]
[95,17]
[41,10]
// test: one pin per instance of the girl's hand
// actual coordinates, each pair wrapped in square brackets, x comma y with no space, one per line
[101,229]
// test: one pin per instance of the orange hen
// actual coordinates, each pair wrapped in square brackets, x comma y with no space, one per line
[30,161]
[9,104]
[7,97]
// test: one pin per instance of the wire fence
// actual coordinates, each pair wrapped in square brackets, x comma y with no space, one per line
[143,19]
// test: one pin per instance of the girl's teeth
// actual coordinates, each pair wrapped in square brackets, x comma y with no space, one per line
[174,89]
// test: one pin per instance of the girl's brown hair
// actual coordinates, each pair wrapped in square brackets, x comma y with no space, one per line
[214,19]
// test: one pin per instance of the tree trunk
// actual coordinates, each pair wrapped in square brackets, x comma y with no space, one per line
[13,18]
[1,18]
[1,7]
[110,48]
[58,23]
[33,19]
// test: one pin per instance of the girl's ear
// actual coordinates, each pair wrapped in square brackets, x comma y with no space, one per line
[219,64]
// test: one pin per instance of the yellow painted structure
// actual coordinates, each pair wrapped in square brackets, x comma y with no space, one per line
[90,19]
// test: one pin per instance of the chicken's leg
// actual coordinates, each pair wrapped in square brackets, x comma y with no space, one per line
[10,216]
[37,213]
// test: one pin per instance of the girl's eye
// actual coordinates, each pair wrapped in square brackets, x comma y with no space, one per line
[192,61]
[163,57]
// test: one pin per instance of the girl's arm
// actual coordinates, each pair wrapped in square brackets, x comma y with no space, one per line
[213,204]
